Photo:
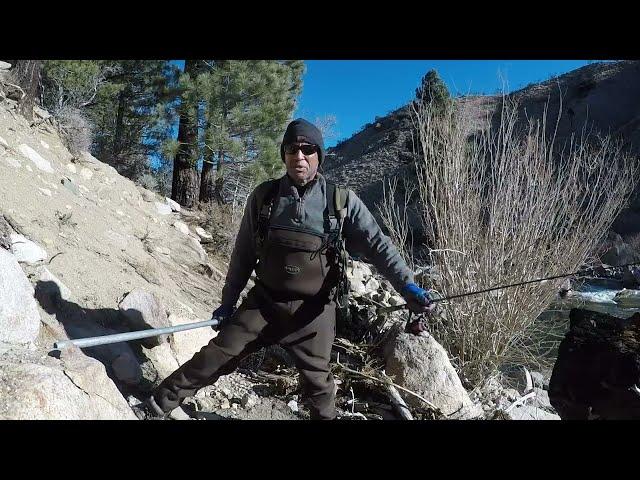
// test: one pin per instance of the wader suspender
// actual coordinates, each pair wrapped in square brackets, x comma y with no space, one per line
[265,202]
[337,211]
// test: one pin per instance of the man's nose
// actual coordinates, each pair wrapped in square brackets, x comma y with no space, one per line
[300,155]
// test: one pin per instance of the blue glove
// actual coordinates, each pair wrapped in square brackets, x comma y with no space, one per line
[418,299]
[222,314]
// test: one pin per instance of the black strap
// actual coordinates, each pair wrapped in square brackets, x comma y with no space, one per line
[331,199]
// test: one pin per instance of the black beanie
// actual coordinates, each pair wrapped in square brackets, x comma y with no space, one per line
[300,130]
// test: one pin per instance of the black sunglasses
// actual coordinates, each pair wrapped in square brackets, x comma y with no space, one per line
[292,149]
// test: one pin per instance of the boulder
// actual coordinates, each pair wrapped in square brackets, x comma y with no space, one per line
[19,316]
[70,185]
[163,360]
[163,208]
[36,158]
[628,298]
[202,233]
[76,388]
[4,65]
[25,250]
[175,206]
[529,412]
[181,227]
[187,343]
[421,364]
[142,310]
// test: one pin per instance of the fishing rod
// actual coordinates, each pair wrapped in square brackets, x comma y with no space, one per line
[467,294]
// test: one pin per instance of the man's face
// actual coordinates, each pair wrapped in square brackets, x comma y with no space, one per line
[301,160]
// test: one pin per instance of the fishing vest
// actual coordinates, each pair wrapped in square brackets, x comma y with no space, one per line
[296,261]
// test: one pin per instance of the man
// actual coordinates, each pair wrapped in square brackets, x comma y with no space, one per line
[293,301]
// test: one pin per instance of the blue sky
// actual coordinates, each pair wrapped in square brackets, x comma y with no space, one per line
[356,91]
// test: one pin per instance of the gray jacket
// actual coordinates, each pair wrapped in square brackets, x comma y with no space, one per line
[362,234]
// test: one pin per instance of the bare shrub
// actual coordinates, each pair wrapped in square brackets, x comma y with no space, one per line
[395,217]
[224,226]
[148,181]
[75,130]
[504,207]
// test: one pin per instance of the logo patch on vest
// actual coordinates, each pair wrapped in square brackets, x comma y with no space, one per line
[292,269]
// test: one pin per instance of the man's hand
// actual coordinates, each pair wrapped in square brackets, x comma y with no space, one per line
[418,299]
[222,314]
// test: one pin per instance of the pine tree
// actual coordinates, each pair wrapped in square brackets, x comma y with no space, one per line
[433,93]
[184,187]
[247,105]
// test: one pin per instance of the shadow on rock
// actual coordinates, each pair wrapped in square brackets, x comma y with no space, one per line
[122,360]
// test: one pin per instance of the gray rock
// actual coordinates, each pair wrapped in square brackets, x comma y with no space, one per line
[76,388]
[175,206]
[539,380]
[178,414]
[36,158]
[143,310]
[26,251]
[202,233]
[293,405]
[162,250]
[19,317]
[69,185]
[187,343]
[163,360]
[249,400]
[4,65]
[421,364]
[628,298]
[528,412]
[181,227]
[163,208]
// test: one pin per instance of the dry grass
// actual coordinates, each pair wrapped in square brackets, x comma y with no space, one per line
[505,207]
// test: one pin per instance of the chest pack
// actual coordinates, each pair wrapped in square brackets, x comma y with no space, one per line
[298,263]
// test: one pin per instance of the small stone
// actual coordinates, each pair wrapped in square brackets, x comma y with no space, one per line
[45,191]
[86,173]
[202,233]
[178,414]
[44,144]
[163,209]
[71,167]
[162,250]
[293,405]
[181,227]
[175,206]
[224,404]
[249,400]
